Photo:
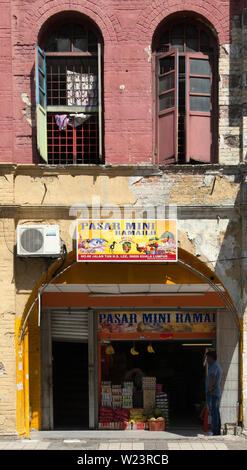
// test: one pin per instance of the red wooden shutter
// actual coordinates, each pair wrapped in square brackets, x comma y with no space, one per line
[199,108]
[167,105]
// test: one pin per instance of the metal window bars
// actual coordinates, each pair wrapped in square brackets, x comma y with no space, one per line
[75,143]
[72,81]
[72,91]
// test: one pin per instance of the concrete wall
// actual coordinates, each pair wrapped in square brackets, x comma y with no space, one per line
[7,329]
[209,221]
[228,357]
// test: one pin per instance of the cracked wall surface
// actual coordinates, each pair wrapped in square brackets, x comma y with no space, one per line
[210,238]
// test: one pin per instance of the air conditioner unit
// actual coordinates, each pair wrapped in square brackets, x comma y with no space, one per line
[38,240]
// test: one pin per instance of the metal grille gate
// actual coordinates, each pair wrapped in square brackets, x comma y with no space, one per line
[70,325]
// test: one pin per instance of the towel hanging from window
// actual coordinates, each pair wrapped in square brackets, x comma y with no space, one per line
[61,121]
[77,119]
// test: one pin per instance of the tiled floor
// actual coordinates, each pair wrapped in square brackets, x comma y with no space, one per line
[129,443]
[30,445]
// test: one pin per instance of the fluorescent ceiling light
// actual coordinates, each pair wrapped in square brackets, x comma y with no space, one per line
[197,344]
[145,294]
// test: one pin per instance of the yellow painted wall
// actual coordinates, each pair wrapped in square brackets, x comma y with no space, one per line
[87,273]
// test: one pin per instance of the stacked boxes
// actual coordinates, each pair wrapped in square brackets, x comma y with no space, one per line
[127,395]
[106,394]
[149,383]
[116,396]
[106,417]
[149,391]
[163,404]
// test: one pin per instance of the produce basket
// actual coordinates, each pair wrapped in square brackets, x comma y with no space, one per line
[158,425]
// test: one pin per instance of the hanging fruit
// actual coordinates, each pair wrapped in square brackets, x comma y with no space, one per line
[109,350]
[133,351]
[150,349]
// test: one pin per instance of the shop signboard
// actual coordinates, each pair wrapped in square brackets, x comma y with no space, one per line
[126,240]
[163,325]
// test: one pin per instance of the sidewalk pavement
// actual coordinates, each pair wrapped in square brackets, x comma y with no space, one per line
[41,441]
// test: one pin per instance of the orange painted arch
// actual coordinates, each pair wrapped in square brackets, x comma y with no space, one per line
[86,273]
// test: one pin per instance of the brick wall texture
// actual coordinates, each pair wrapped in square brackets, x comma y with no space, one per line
[127,29]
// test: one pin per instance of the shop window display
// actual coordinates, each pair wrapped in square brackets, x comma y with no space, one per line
[150,386]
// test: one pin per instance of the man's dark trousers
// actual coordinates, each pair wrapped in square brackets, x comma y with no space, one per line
[213,402]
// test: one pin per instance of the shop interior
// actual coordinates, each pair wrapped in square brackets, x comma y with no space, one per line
[178,368]
[177,365]
[70,385]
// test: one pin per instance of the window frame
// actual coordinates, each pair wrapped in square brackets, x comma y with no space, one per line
[212,54]
[67,108]
[173,109]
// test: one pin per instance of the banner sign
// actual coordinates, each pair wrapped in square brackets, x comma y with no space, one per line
[126,240]
[156,322]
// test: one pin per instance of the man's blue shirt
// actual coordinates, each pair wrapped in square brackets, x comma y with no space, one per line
[214,369]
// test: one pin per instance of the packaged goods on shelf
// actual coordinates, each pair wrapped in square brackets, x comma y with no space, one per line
[121,425]
[127,403]
[149,383]
[106,425]
[106,394]
[105,390]
[128,384]
[127,395]
[117,396]
[128,426]
[121,415]
[116,404]
[149,397]
[162,403]
[105,384]
[116,388]
[106,414]
[110,418]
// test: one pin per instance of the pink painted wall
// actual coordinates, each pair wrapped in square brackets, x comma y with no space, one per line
[127,27]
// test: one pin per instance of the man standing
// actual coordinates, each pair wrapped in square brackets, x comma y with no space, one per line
[213,391]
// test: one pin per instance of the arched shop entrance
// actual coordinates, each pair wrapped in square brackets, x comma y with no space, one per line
[79,312]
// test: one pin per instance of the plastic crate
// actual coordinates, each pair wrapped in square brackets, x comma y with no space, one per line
[156,425]
[139,426]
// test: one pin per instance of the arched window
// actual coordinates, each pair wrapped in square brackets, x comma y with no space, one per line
[186,93]
[68,96]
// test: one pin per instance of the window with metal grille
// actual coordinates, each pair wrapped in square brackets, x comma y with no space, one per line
[68,91]
[186,94]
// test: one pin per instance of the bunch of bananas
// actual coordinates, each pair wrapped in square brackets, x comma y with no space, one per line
[150,349]
[109,350]
[133,351]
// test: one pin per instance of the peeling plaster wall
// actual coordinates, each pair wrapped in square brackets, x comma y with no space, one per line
[209,238]
[206,238]
[185,188]
[44,196]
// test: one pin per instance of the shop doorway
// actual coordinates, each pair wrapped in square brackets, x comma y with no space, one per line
[70,385]
[177,365]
